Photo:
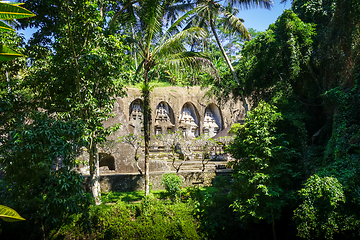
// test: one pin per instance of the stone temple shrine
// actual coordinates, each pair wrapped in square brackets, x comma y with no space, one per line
[184,109]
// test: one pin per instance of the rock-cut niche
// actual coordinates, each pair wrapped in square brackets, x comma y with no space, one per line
[164,119]
[212,120]
[189,121]
[107,160]
[136,117]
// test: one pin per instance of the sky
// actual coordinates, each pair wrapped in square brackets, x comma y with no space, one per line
[260,18]
[256,18]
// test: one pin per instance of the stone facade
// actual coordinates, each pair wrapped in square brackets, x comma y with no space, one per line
[136,182]
[183,109]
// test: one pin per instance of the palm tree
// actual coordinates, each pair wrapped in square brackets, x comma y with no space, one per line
[159,47]
[226,27]
[206,12]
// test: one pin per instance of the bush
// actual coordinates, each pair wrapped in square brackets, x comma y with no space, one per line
[211,207]
[172,184]
[151,219]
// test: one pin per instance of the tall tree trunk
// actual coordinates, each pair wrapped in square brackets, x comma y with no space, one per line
[95,174]
[134,46]
[273,224]
[229,65]
[8,82]
[146,95]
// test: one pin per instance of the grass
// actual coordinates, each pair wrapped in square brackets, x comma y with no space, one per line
[156,84]
[159,84]
[113,197]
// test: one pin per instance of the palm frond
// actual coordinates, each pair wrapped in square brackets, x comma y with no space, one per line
[131,40]
[236,24]
[176,43]
[203,23]
[246,4]
[183,7]
[181,21]
[125,10]
[139,68]
[195,60]
[174,11]
[152,13]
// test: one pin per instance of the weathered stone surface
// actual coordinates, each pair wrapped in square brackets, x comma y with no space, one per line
[135,182]
[171,99]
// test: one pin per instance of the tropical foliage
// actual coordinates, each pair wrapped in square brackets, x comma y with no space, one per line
[297,153]
[172,184]
[158,48]
[10,12]
[204,15]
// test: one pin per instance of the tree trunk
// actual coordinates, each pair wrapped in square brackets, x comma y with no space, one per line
[146,95]
[139,168]
[273,224]
[8,82]
[134,46]
[229,65]
[95,174]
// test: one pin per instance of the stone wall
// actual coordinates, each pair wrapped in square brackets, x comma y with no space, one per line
[135,182]
[169,106]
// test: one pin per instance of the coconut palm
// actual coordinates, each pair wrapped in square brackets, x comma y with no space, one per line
[206,12]
[159,47]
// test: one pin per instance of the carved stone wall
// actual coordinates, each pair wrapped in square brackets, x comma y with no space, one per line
[172,109]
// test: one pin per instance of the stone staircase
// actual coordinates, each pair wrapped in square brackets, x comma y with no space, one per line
[226,173]
[195,164]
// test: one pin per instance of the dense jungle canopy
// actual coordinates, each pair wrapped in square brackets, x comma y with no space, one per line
[298,152]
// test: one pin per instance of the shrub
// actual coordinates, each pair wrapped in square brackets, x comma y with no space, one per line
[151,219]
[172,184]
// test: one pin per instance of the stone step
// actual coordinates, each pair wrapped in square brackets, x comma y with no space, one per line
[196,167]
[199,161]
[196,157]
[224,172]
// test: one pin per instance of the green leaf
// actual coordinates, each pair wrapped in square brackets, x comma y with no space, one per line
[13,11]
[5,27]
[9,215]
[7,54]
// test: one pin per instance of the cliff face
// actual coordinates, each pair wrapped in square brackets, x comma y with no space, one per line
[183,109]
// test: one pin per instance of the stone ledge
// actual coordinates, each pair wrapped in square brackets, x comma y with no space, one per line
[129,182]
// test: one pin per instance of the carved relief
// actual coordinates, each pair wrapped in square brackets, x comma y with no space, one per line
[188,121]
[212,120]
[164,119]
[136,116]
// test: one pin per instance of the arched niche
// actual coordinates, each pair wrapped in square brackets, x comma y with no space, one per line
[164,118]
[107,161]
[189,120]
[212,120]
[136,116]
